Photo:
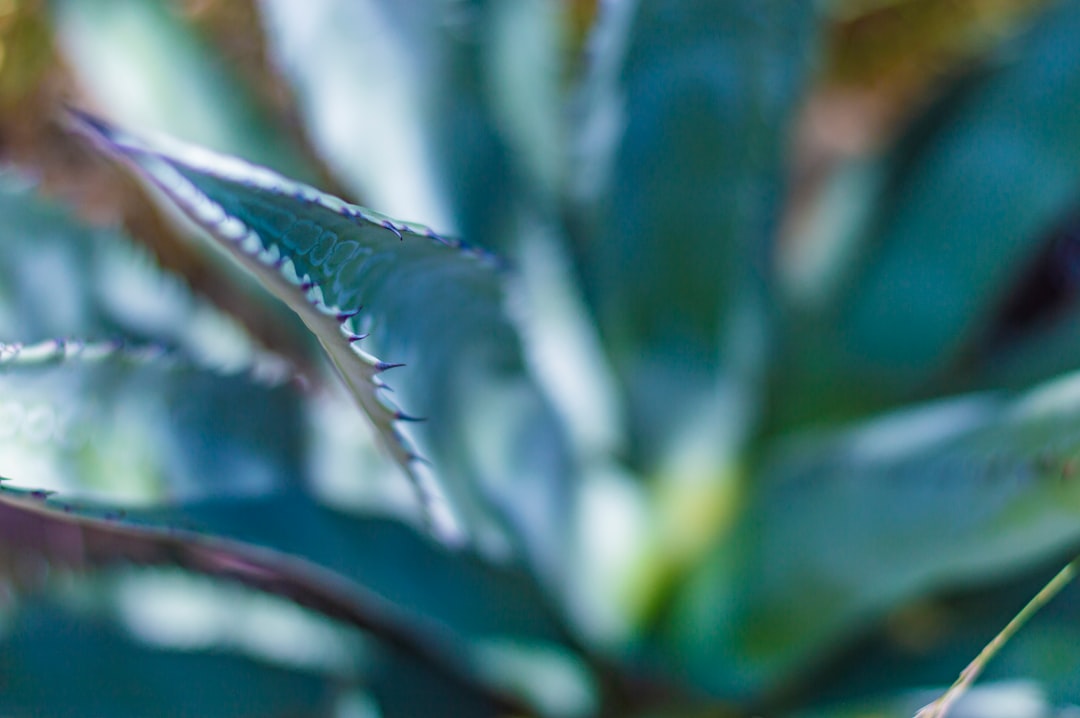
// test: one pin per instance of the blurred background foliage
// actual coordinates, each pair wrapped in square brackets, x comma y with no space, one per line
[733,230]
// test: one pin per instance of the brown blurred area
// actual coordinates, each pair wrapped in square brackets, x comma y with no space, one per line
[883,61]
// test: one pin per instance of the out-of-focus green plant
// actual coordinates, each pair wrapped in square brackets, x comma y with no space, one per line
[702,417]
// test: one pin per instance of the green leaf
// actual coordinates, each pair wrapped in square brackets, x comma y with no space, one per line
[63,278]
[965,203]
[496,113]
[365,573]
[57,663]
[928,642]
[453,589]
[469,104]
[364,283]
[136,425]
[379,79]
[680,185]
[45,290]
[149,66]
[139,635]
[839,531]
[467,594]
[52,279]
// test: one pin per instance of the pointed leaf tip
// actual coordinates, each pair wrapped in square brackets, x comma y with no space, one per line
[432,303]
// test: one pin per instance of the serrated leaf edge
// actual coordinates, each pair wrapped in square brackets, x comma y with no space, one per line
[109,538]
[331,324]
[15,356]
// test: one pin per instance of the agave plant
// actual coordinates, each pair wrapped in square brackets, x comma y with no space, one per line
[672,431]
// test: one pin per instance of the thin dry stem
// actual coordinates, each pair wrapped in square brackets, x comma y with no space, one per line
[940,707]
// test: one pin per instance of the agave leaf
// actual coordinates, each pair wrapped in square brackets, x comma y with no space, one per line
[45,290]
[456,588]
[496,113]
[53,283]
[929,641]
[62,278]
[966,203]
[679,186]
[468,134]
[456,591]
[138,424]
[358,279]
[150,64]
[337,70]
[106,673]
[469,102]
[150,67]
[839,531]
[133,636]
[44,529]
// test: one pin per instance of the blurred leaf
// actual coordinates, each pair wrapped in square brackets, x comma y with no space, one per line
[149,67]
[105,419]
[496,114]
[456,588]
[82,536]
[680,182]
[149,63]
[966,202]
[63,278]
[839,531]
[926,643]
[359,71]
[400,695]
[153,621]
[135,425]
[426,301]
[454,108]
[1016,699]
[53,662]
[53,283]
[1034,334]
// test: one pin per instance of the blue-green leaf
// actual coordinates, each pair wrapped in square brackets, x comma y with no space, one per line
[147,64]
[381,558]
[130,637]
[467,594]
[366,284]
[839,531]
[139,425]
[962,206]
[56,663]
[468,97]
[53,278]
[63,278]
[383,155]
[680,184]
[929,641]
[413,596]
